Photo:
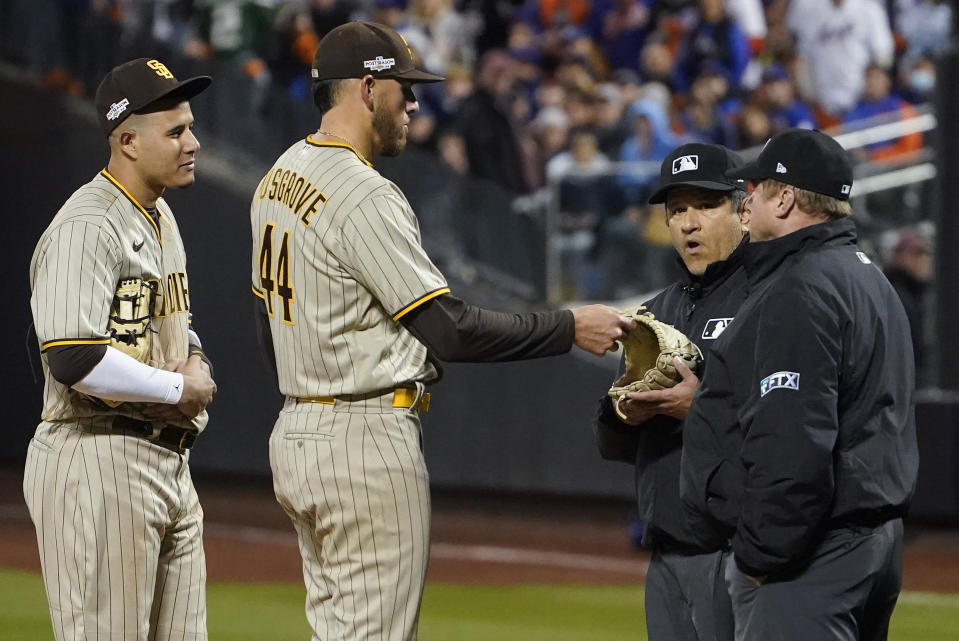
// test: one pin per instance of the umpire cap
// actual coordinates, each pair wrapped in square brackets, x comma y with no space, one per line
[136,85]
[804,158]
[356,49]
[698,165]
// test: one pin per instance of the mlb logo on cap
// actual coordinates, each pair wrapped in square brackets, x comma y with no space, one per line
[686,163]
[697,164]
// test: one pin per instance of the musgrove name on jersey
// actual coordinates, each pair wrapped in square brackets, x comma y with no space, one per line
[289,188]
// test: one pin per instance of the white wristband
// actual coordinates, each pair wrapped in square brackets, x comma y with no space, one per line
[119,377]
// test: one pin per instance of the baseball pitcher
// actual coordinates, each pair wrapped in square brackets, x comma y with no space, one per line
[355,317]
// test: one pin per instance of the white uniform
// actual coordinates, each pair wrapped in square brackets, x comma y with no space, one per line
[118,522]
[337,262]
[838,43]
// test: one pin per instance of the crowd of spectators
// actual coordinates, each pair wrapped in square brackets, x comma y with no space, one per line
[556,91]
[526,76]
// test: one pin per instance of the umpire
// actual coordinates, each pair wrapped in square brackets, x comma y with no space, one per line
[686,597]
[801,440]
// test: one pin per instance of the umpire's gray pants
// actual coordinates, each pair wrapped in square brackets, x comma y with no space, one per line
[686,598]
[846,593]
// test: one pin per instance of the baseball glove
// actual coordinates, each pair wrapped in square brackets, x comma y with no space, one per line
[129,324]
[649,350]
[130,316]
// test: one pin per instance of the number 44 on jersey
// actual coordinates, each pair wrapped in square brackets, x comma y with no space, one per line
[281,285]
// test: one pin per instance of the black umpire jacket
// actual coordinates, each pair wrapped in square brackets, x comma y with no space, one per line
[700,307]
[804,420]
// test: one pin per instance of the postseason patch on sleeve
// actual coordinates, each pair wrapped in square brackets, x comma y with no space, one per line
[779,380]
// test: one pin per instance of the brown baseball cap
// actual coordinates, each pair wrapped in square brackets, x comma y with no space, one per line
[356,49]
[136,85]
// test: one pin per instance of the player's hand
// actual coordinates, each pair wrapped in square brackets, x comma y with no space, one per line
[166,411]
[598,327]
[177,365]
[198,385]
[174,366]
[639,407]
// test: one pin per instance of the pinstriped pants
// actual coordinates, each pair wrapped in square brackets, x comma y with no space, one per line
[120,533]
[353,480]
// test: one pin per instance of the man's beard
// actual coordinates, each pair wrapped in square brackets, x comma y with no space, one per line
[392,138]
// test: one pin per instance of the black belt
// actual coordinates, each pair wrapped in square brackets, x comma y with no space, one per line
[866,518]
[659,541]
[172,437]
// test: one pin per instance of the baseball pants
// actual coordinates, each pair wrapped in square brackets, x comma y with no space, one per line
[353,480]
[120,532]
[847,592]
[686,598]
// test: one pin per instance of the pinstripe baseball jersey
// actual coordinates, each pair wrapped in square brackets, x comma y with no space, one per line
[337,260]
[101,236]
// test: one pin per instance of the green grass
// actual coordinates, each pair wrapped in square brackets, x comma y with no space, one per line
[531,613]
[463,613]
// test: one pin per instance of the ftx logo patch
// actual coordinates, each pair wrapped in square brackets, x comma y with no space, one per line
[779,380]
[686,163]
[117,108]
[379,63]
[715,327]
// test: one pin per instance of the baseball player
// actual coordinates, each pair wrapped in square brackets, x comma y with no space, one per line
[686,597]
[358,316]
[800,444]
[107,483]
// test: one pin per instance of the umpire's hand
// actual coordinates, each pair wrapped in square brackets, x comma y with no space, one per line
[639,407]
[598,327]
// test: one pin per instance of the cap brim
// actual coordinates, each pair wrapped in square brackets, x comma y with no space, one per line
[415,75]
[659,196]
[183,90]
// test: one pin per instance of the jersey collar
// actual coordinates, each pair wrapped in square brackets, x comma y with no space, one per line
[762,259]
[317,143]
[116,183]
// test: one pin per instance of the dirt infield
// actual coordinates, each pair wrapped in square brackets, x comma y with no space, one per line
[492,540]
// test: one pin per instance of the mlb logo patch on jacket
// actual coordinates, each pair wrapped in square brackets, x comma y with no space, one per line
[715,327]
